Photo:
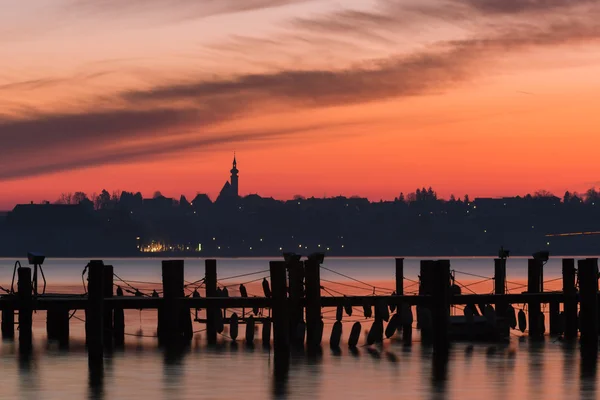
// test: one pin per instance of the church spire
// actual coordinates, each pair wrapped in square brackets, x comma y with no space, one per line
[234,177]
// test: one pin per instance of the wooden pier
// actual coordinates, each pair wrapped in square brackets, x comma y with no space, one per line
[296,306]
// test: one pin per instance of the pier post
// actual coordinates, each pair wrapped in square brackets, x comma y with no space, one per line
[500,288]
[8,323]
[95,314]
[62,326]
[25,309]
[119,323]
[296,312]
[555,328]
[534,285]
[108,274]
[279,307]
[51,323]
[400,277]
[424,313]
[440,306]
[401,308]
[588,286]
[210,280]
[570,293]
[172,279]
[313,304]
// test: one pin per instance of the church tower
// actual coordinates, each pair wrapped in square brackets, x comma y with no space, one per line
[234,179]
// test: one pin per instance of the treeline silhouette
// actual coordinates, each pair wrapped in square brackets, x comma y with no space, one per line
[419,223]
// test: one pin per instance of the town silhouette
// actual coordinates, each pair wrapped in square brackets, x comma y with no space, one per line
[419,223]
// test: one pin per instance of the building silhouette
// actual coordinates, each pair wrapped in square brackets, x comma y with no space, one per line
[230,191]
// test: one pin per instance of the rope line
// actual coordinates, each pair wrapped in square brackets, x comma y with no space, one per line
[242,275]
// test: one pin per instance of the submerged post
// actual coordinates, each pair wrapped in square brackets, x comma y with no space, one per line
[313,304]
[534,285]
[210,280]
[281,332]
[440,305]
[296,312]
[172,277]
[588,286]
[400,276]
[25,309]
[424,313]
[108,273]
[570,293]
[8,323]
[95,313]
[500,288]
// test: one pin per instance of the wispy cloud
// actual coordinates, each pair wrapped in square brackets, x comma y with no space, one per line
[173,8]
[89,138]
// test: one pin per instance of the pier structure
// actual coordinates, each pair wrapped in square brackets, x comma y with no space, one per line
[294,304]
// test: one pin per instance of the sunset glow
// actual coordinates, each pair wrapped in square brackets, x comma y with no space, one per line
[316,97]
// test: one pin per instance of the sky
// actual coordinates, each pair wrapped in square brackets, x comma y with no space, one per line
[315,97]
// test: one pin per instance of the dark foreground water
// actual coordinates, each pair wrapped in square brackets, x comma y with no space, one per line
[519,369]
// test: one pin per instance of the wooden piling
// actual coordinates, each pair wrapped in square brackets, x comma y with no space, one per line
[279,307]
[440,306]
[312,271]
[62,326]
[426,287]
[108,273]
[172,325]
[555,324]
[588,286]
[500,288]
[570,293]
[95,313]
[534,285]
[51,324]
[210,280]
[25,309]
[119,323]
[401,309]
[296,312]
[8,323]
[400,276]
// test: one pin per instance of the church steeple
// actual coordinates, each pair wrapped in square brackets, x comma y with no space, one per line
[234,178]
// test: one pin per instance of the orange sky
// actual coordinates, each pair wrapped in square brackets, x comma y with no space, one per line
[486,97]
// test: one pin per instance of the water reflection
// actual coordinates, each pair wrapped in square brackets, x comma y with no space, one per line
[588,375]
[96,382]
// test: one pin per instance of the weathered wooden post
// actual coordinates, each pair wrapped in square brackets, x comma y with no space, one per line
[555,328]
[403,308]
[279,307]
[440,306]
[313,304]
[570,293]
[500,288]
[108,273]
[25,309]
[296,312]
[588,286]
[95,314]
[51,328]
[210,280]
[8,322]
[172,279]
[426,288]
[119,323]
[63,329]
[400,276]
[534,285]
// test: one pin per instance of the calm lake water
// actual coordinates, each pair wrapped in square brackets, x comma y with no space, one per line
[519,369]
